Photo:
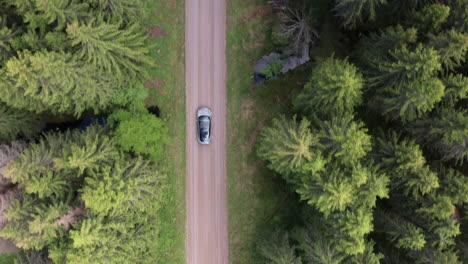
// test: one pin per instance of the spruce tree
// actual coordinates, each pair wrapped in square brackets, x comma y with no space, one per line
[119,11]
[278,249]
[445,132]
[62,12]
[415,99]
[404,162]
[379,44]
[287,144]
[430,18]
[404,65]
[452,47]
[456,89]
[6,34]
[335,87]
[16,123]
[122,52]
[354,12]
[344,139]
[54,81]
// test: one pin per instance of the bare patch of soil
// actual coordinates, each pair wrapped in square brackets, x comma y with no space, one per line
[157,31]
[248,108]
[261,11]
[155,84]
[253,137]
[73,215]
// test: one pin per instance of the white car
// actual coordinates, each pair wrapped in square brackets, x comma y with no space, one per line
[204,115]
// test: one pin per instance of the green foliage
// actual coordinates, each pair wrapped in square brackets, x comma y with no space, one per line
[403,160]
[131,97]
[110,49]
[430,18]
[377,45]
[287,144]
[71,56]
[335,87]
[456,88]
[413,88]
[277,249]
[404,233]
[368,257]
[61,12]
[344,139]
[403,66]
[317,247]
[335,182]
[119,11]
[15,123]
[140,132]
[65,171]
[278,37]
[453,185]
[117,190]
[6,34]
[446,132]
[417,98]
[459,15]
[272,69]
[354,12]
[31,224]
[452,47]
[54,81]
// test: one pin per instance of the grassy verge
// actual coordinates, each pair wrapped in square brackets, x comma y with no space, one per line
[255,194]
[167,91]
[8,258]
[257,199]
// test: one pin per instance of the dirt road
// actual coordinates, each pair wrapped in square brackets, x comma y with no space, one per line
[205,40]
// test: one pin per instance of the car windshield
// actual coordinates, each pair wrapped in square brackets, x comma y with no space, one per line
[204,124]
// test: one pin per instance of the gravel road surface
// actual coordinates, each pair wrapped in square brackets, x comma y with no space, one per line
[205,45]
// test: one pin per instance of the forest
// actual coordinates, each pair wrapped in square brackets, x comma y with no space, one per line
[81,170]
[374,147]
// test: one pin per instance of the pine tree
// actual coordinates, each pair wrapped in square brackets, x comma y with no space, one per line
[286,144]
[354,12]
[335,87]
[122,52]
[451,46]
